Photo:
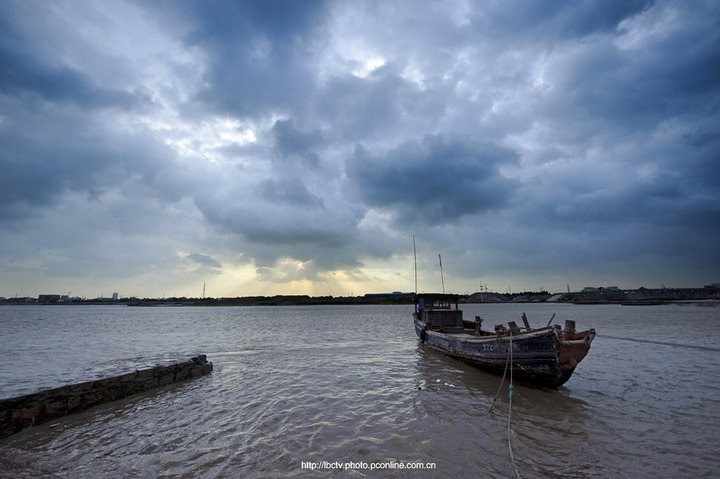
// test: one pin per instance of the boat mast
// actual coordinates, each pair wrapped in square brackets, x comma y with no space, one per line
[415,258]
[441,274]
[415,300]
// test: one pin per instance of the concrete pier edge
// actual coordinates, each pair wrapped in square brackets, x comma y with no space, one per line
[21,412]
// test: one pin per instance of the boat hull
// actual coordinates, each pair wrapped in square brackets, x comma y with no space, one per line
[541,357]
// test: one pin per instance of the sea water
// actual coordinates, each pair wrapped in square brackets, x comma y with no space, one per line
[349,391]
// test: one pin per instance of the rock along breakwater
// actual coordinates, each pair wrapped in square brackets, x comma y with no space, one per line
[32,409]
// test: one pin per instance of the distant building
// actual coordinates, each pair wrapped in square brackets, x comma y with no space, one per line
[49,298]
[115,296]
[590,289]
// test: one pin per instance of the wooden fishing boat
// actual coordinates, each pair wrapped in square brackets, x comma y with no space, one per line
[542,357]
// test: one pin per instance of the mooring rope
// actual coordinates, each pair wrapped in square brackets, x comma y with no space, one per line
[507,362]
[510,396]
[508,365]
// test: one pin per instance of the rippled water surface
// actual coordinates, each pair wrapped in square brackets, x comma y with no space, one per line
[353,384]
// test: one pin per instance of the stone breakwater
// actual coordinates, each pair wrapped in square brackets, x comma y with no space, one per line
[24,411]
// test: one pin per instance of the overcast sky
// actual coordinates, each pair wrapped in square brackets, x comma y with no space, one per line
[295,147]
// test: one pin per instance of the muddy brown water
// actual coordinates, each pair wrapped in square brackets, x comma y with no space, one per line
[351,384]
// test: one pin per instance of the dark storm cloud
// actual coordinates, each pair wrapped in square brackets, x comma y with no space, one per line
[72,153]
[204,264]
[553,21]
[22,76]
[280,216]
[258,52]
[203,260]
[362,108]
[54,134]
[288,191]
[639,87]
[291,142]
[25,74]
[558,138]
[434,180]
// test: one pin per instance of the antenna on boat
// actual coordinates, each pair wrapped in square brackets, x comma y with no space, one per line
[441,274]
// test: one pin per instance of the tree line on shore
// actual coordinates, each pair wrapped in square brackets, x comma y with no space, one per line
[587,296]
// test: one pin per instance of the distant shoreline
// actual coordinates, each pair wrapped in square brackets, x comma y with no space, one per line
[639,297]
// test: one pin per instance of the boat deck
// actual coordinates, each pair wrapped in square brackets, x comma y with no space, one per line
[470,334]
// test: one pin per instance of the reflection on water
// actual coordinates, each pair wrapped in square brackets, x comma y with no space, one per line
[354,384]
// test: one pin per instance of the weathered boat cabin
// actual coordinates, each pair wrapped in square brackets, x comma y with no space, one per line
[440,311]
